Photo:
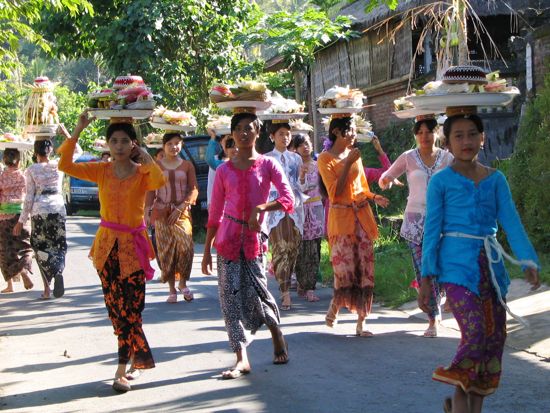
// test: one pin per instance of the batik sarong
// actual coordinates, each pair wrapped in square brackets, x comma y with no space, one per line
[15,252]
[352,259]
[435,296]
[477,364]
[246,302]
[49,242]
[175,248]
[284,242]
[307,264]
[125,301]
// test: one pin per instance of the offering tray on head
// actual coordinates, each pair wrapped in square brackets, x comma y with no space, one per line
[254,104]
[438,103]
[281,116]
[121,113]
[339,111]
[170,127]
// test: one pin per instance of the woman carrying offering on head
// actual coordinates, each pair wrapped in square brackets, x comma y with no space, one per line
[420,164]
[45,206]
[15,250]
[351,225]
[170,208]
[236,222]
[465,201]
[121,250]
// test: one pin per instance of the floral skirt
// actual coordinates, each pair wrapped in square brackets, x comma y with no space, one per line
[15,252]
[477,365]
[125,301]
[49,242]
[352,259]
[175,248]
[245,301]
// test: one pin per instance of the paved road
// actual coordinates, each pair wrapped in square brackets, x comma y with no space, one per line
[60,355]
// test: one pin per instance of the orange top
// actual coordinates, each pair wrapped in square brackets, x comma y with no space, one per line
[122,201]
[341,220]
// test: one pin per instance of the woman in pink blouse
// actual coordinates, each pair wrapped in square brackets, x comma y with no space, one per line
[15,251]
[236,221]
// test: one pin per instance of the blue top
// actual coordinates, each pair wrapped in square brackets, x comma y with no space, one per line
[212,150]
[456,204]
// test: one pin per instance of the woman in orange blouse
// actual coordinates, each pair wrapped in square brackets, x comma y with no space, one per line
[121,250]
[351,225]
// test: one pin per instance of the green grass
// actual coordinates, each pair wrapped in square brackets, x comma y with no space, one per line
[393,271]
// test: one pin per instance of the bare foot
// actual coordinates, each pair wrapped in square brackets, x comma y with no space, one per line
[7,290]
[27,283]
[280,349]
[237,371]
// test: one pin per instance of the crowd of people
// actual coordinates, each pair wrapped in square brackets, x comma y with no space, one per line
[286,200]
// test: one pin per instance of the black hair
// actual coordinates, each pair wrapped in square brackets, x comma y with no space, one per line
[159,150]
[229,143]
[431,124]
[241,116]
[452,119]
[344,124]
[169,136]
[298,140]
[11,156]
[127,128]
[41,148]
[274,127]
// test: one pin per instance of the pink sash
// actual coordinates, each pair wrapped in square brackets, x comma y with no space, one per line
[140,243]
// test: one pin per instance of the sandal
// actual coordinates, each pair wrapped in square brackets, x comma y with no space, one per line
[121,386]
[281,353]
[44,297]
[332,314]
[431,332]
[187,294]
[311,297]
[172,298]
[285,301]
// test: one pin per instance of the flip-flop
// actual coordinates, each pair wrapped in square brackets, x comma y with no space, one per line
[283,352]
[234,374]
[172,298]
[44,297]
[120,386]
[431,332]
[187,294]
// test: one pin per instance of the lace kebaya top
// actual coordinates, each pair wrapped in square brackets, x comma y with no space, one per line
[44,183]
[418,176]
[236,192]
[122,201]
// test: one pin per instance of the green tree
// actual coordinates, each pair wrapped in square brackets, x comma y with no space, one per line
[297,36]
[16,23]
[180,47]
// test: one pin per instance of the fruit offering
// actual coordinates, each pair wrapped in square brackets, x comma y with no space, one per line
[41,106]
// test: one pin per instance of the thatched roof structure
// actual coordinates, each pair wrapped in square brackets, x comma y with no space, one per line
[482,8]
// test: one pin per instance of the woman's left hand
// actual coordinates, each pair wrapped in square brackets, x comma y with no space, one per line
[381,201]
[253,223]
[532,277]
[83,121]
